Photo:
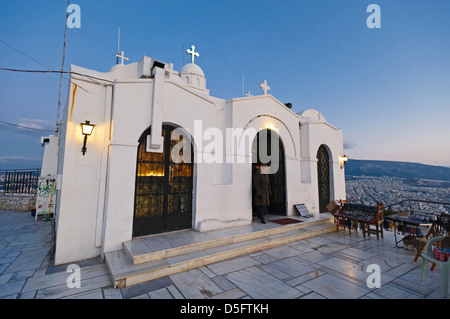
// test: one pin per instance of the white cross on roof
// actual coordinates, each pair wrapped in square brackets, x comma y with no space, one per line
[122,57]
[265,87]
[192,53]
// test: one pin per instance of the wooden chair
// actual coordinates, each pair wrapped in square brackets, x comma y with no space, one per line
[423,241]
[377,222]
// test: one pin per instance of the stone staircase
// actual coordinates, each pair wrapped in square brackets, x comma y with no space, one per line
[152,257]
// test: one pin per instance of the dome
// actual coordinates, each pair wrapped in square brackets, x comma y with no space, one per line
[116,66]
[192,75]
[312,115]
[192,68]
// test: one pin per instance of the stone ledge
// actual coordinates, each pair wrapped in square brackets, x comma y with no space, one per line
[17,202]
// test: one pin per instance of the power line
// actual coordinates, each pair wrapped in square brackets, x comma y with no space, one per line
[31,71]
[26,127]
[24,54]
[31,58]
[53,71]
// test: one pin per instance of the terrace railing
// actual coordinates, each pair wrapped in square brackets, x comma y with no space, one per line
[19,181]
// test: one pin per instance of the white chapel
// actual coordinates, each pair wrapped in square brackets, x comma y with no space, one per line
[145,149]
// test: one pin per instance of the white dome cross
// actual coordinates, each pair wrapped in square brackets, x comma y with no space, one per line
[192,53]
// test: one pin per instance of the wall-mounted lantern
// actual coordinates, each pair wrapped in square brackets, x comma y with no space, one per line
[342,160]
[86,130]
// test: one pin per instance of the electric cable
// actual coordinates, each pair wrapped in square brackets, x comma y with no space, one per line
[33,59]
[53,71]
[26,127]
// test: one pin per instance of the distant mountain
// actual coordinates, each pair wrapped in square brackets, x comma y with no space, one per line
[396,169]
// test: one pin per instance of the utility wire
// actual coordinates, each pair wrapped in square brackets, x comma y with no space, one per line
[31,58]
[26,127]
[53,71]
[26,55]
[31,71]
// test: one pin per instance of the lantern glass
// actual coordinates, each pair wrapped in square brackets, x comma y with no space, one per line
[87,128]
[342,160]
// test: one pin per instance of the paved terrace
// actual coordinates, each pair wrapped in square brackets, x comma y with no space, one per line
[329,266]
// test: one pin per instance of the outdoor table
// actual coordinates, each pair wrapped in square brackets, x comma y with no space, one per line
[408,225]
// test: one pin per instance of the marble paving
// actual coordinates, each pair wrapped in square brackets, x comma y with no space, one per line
[330,266]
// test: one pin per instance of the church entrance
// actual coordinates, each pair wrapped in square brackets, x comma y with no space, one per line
[323,176]
[163,195]
[265,138]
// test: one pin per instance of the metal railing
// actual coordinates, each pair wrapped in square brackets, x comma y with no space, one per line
[19,181]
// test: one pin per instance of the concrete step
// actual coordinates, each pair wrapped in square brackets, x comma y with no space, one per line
[149,248]
[124,273]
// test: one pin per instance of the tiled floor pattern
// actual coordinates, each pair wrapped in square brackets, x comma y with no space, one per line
[328,266]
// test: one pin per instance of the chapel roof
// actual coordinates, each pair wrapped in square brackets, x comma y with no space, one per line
[192,68]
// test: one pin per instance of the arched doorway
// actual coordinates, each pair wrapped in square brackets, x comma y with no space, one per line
[277,177]
[323,177]
[164,185]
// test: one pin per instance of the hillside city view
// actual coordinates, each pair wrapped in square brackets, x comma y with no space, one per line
[369,190]
[427,195]
[393,192]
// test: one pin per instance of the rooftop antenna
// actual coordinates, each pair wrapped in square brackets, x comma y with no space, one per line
[118,47]
[58,123]
[183,54]
[243,78]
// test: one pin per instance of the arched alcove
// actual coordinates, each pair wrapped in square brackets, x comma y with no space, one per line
[323,177]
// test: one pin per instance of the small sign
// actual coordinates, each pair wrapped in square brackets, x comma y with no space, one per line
[303,211]
[46,196]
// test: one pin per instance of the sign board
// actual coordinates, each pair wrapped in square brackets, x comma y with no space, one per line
[303,211]
[46,196]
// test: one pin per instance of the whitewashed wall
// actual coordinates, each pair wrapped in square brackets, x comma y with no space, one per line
[96,200]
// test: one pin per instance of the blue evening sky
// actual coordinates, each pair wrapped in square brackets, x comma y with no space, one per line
[388,89]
